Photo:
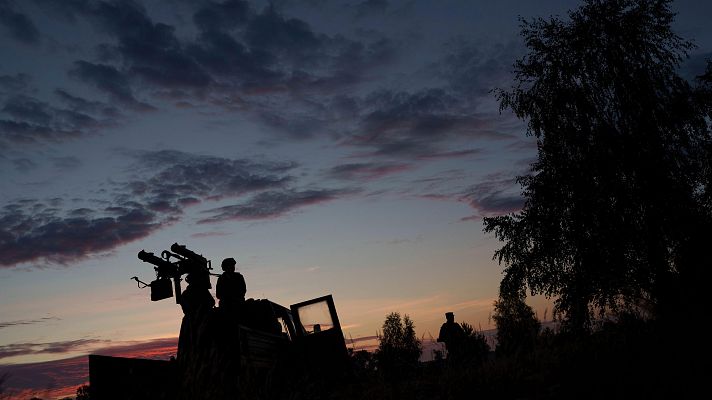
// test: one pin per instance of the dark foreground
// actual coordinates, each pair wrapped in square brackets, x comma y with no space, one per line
[629,359]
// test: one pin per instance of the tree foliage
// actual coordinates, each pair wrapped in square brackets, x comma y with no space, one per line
[399,347]
[517,325]
[614,210]
[474,345]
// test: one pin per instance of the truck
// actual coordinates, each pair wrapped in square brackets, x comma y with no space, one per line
[224,356]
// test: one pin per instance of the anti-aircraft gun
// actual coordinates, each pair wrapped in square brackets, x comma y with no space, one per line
[185,261]
[272,344]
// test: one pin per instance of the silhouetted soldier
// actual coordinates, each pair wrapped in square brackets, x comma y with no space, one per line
[452,335]
[230,289]
[196,297]
[196,303]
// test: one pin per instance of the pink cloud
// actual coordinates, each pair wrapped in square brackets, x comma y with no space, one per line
[60,378]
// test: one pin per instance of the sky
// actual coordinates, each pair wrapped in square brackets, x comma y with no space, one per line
[342,147]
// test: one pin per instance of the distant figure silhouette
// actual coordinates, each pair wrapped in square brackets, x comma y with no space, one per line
[230,289]
[451,334]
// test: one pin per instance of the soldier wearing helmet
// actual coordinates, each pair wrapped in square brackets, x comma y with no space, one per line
[230,289]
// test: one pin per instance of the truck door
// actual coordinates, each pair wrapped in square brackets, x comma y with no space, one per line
[320,340]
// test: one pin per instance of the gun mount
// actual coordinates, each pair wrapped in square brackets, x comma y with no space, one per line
[186,262]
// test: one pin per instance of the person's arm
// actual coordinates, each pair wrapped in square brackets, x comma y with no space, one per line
[242,286]
[219,288]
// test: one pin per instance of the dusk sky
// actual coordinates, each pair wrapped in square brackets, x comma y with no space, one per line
[329,146]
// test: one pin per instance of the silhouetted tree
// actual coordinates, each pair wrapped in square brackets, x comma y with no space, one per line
[613,214]
[399,348]
[517,325]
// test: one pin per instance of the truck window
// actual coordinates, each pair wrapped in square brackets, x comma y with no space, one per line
[315,317]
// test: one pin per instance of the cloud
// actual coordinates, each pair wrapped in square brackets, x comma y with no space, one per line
[60,378]
[156,349]
[89,106]
[24,164]
[9,324]
[150,51]
[236,48]
[418,124]
[370,7]
[66,163]
[273,53]
[366,171]
[277,70]
[290,38]
[494,197]
[51,232]
[361,339]
[23,349]
[108,79]
[181,179]
[272,204]
[32,231]
[495,194]
[51,379]
[209,234]
[451,154]
[474,69]
[15,83]
[25,119]
[18,25]
[225,15]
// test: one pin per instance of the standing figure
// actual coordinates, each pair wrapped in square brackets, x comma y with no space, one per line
[196,298]
[196,302]
[230,289]
[452,335]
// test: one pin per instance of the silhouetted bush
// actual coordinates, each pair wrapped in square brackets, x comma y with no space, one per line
[475,348]
[363,362]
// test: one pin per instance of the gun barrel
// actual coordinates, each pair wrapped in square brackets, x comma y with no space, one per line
[164,267]
[185,252]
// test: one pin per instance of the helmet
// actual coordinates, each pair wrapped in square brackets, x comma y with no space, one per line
[228,262]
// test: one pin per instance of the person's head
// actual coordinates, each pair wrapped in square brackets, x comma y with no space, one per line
[198,279]
[450,317]
[228,264]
